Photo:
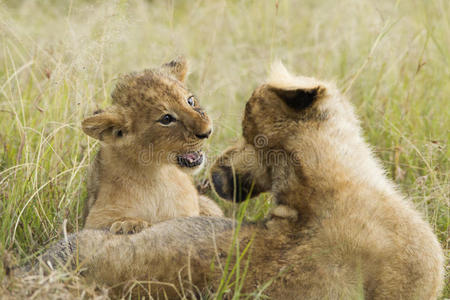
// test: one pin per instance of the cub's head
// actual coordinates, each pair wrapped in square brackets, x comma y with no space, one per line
[154,119]
[283,122]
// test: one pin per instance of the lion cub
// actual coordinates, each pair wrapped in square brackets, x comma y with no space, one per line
[151,135]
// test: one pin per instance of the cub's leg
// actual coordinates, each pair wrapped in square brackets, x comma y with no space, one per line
[128,226]
[208,207]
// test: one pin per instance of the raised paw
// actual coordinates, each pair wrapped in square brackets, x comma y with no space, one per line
[128,226]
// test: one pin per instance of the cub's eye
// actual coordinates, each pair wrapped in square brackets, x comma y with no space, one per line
[191,101]
[167,119]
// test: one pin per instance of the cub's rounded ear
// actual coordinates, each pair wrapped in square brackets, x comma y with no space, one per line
[300,98]
[104,125]
[177,67]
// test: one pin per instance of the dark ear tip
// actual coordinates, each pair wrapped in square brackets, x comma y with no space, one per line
[176,62]
[180,59]
[177,67]
[321,91]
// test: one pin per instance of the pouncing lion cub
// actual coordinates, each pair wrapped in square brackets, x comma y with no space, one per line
[352,236]
[151,135]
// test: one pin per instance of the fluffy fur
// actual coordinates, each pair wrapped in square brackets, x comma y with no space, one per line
[135,179]
[352,235]
[365,237]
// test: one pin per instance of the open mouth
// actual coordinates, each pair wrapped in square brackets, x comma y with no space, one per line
[190,159]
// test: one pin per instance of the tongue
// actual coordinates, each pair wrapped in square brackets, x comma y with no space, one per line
[191,157]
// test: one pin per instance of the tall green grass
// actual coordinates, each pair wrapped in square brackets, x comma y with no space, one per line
[59,61]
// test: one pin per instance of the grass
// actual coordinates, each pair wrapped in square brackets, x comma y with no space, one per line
[59,61]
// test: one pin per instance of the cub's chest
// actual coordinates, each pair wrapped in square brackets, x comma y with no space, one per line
[166,197]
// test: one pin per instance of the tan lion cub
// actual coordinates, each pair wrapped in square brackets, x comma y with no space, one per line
[150,136]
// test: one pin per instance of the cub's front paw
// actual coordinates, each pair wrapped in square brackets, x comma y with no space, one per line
[128,226]
[284,212]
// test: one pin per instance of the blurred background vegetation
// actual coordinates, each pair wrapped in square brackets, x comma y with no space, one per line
[59,61]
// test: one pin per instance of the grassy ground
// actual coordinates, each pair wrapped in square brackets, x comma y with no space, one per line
[59,61]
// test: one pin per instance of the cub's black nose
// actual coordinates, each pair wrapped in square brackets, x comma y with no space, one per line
[204,135]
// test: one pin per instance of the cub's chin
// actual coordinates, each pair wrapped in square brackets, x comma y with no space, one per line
[191,162]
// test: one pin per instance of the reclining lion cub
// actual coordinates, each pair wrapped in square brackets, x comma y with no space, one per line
[151,135]
[354,235]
